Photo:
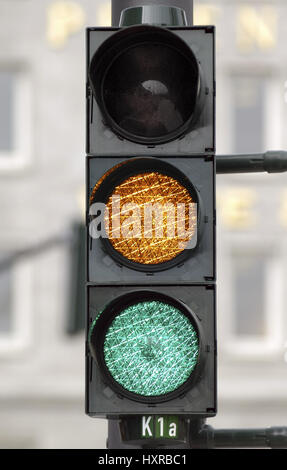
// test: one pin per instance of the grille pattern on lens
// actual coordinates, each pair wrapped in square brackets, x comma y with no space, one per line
[151,348]
[159,236]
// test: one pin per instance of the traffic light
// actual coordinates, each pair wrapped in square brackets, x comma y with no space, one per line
[151,86]
[151,333]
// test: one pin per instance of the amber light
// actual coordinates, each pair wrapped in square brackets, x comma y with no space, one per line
[151,188]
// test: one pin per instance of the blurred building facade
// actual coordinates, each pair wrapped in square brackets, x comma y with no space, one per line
[42,157]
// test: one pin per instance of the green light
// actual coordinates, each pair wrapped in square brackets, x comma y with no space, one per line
[151,348]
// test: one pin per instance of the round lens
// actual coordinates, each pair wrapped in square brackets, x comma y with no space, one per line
[149,90]
[150,218]
[151,348]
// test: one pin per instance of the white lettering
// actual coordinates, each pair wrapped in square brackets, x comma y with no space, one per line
[172,430]
[160,421]
[145,426]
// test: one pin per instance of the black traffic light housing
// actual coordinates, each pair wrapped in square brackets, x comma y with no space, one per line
[104,398]
[151,107]
[121,106]
[151,97]
[195,265]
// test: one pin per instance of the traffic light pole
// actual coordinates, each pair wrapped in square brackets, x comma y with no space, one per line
[118,6]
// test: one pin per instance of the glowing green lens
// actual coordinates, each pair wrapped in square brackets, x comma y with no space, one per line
[151,348]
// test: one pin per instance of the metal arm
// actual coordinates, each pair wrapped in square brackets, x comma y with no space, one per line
[271,162]
[268,438]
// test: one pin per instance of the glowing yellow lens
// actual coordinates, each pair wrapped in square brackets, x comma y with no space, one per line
[148,218]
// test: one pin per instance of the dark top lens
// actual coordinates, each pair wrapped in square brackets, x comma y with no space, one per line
[149,90]
[148,84]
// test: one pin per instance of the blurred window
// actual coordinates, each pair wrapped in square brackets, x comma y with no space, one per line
[249,287]
[255,309]
[248,109]
[5,300]
[15,117]
[16,294]
[7,84]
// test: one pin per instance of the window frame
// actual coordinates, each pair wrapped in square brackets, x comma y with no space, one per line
[249,348]
[272,115]
[20,336]
[21,155]
[273,106]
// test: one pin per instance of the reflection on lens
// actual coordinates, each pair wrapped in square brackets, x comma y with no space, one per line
[151,348]
[150,90]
